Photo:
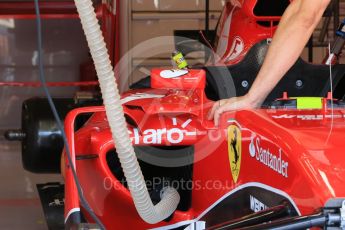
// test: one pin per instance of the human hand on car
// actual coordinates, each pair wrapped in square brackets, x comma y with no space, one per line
[231,104]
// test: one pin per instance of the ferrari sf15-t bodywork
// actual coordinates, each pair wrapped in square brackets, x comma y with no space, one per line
[276,163]
[285,155]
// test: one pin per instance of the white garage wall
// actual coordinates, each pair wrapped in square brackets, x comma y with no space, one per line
[65,49]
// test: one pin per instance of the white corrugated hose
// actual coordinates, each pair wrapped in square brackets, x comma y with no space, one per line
[170,198]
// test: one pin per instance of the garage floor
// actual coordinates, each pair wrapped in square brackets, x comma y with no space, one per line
[20,206]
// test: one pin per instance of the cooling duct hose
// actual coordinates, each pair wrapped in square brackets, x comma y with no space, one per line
[111,98]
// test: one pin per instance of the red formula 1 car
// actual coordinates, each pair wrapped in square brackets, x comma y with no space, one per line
[280,166]
[285,159]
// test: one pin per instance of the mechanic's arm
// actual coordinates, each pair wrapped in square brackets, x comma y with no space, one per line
[294,30]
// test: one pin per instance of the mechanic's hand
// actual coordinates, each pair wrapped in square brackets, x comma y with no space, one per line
[225,105]
[237,3]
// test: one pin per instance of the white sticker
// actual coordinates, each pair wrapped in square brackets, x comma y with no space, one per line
[173,73]
[236,49]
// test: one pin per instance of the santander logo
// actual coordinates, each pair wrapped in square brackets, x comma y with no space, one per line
[272,160]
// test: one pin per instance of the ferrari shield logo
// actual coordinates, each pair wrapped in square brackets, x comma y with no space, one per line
[234,150]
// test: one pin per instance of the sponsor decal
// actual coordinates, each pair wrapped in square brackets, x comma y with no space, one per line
[173,136]
[285,116]
[270,159]
[57,202]
[236,48]
[256,205]
[234,150]
[309,117]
